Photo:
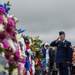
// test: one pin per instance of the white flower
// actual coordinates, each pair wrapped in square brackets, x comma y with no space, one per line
[34,38]
[11,44]
[1,27]
[10,16]
[30,42]
[12,56]
[15,72]
[16,20]
[1,45]
[33,67]
[5,19]
[18,37]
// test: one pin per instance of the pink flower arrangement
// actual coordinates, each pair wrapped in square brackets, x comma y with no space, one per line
[7,36]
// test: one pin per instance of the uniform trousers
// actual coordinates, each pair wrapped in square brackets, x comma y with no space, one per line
[63,68]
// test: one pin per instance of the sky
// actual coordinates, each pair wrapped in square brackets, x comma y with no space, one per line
[45,18]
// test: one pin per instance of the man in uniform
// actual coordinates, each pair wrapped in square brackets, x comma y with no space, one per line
[64,53]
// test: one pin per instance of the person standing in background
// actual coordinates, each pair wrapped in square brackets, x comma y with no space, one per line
[73,64]
[46,55]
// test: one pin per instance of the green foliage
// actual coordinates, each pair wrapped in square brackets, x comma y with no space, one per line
[11,68]
[2,50]
[8,3]
[36,42]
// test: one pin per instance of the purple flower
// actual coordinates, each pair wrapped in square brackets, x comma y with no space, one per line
[2,10]
[3,35]
[19,67]
[12,33]
[17,56]
[5,44]
[11,22]
[1,20]
[23,60]
[8,28]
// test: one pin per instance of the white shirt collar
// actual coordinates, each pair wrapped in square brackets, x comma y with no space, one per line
[63,40]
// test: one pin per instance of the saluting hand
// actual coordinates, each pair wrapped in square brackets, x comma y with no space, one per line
[57,39]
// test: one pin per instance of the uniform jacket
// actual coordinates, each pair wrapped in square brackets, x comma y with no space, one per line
[64,51]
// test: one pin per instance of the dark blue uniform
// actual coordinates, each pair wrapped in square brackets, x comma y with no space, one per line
[64,54]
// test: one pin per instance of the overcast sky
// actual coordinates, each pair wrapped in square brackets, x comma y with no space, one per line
[45,18]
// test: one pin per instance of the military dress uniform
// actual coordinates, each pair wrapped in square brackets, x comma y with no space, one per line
[63,54]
